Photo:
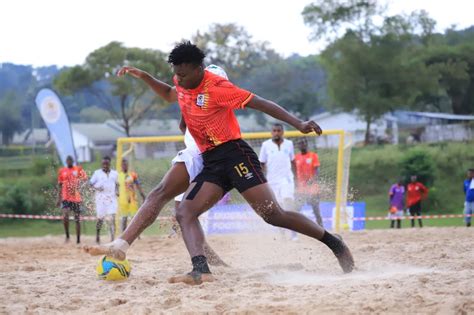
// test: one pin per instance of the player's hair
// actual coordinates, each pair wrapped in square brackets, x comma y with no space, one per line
[69,157]
[471,170]
[107,158]
[279,125]
[186,52]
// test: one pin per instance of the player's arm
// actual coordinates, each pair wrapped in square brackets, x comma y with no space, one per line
[166,91]
[278,112]
[182,125]
[424,191]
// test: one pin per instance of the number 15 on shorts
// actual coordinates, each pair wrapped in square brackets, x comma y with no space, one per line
[241,169]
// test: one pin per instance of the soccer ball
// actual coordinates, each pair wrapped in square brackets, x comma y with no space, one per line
[112,269]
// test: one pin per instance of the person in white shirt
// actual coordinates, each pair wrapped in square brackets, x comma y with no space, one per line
[277,156]
[105,183]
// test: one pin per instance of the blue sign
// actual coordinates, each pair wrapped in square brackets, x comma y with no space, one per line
[56,120]
[240,218]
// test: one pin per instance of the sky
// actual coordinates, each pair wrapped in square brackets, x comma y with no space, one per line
[64,32]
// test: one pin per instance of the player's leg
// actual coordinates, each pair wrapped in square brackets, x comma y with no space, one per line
[212,257]
[468,210]
[418,213]
[98,227]
[77,219]
[123,223]
[65,211]
[199,197]
[412,214]
[314,202]
[175,182]
[261,199]
[111,223]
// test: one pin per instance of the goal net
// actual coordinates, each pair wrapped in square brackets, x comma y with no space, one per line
[150,158]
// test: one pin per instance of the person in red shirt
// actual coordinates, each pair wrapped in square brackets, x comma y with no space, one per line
[416,192]
[307,166]
[70,179]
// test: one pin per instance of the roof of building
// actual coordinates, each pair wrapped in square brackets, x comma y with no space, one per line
[97,132]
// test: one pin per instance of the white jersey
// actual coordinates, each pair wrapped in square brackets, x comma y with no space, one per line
[105,182]
[278,160]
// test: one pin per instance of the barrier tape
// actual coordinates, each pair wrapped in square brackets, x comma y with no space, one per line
[380,218]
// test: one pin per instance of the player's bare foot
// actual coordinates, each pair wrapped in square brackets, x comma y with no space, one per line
[346,261]
[192,278]
[107,249]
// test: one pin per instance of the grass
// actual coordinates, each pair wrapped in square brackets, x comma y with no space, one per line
[34,228]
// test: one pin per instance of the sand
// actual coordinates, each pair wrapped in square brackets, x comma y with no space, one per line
[428,271]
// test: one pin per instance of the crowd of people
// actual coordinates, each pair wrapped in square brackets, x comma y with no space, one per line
[412,196]
[114,192]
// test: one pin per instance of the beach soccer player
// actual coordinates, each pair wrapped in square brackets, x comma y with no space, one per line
[105,183]
[129,183]
[307,188]
[416,192]
[184,168]
[396,196]
[70,180]
[207,102]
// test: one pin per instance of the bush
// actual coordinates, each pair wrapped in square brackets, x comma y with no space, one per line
[420,163]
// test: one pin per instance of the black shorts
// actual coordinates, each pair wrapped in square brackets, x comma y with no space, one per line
[415,209]
[71,205]
[233,164]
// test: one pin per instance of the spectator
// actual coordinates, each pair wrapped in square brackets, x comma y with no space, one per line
[469,192]
[396,197]
[416,192]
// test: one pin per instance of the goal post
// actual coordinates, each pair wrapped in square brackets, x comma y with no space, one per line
[151,157]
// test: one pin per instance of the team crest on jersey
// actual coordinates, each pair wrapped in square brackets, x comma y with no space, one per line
[200,100]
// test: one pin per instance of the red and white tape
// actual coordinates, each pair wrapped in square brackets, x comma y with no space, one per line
[92,218]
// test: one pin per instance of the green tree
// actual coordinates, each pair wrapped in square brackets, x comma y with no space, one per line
[368,69]
[10,117]
[454,68]
[231,47]
[128,101]
[94,114]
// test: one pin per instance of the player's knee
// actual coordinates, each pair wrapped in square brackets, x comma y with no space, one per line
[183,214]
[273,216]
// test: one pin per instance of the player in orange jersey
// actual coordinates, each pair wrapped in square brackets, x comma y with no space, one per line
[307,166]
[70,179]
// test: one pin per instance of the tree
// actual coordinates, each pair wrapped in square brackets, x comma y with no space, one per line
[10,117]
[368,69]
[298,83]
[128,101]
[231,47]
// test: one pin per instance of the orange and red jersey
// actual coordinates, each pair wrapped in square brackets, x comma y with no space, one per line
[208,110]
[70,179]
[415,192]
[306,167]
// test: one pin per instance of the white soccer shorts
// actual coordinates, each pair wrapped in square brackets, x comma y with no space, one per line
[106,205]
[193,162]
